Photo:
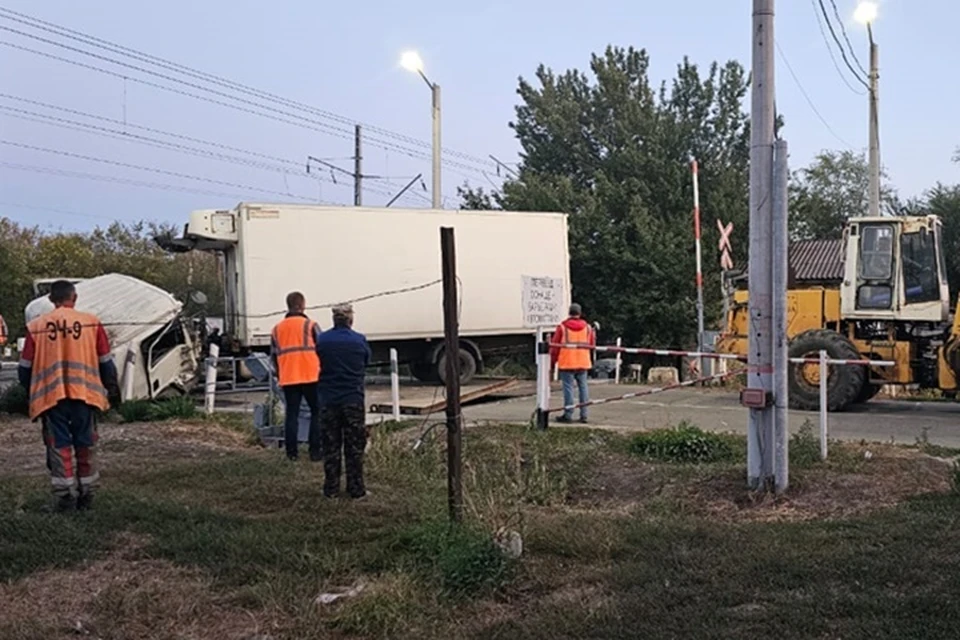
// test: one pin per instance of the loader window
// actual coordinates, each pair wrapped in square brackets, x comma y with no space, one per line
[876,252]
[920,274]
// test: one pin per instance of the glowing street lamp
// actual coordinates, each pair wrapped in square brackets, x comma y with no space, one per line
[411,61]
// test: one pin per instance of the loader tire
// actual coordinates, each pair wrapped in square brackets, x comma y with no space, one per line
[845,383]
[868,392]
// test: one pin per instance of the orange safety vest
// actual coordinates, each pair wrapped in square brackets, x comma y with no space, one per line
[571,358]
[3,331]
[296,351]
[65,362]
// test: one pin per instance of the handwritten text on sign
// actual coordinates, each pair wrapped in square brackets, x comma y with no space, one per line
[542,301]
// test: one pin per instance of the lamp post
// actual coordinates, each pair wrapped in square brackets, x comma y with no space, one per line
[411,61]
[866,13]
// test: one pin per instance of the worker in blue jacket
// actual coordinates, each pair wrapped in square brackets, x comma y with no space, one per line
[345,355]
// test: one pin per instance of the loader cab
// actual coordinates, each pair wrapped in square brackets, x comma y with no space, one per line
[894,270]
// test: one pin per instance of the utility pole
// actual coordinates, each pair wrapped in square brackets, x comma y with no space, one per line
[874,126]
[451,332]
[357,169]
[435,91]
[759,392]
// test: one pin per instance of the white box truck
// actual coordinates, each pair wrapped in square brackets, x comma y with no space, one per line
[387,262]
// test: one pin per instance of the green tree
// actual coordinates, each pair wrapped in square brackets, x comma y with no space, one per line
[614,153]
[831,189]
[27,254]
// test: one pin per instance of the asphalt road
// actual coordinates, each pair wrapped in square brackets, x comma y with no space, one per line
[717,409]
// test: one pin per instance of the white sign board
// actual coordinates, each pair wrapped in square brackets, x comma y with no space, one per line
[542,301]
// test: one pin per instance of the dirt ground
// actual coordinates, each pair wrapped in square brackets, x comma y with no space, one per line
[124,593]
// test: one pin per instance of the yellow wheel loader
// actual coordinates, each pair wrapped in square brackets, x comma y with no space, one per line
[878,293]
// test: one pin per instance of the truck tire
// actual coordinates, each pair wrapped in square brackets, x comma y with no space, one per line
[844,383]
[468,366]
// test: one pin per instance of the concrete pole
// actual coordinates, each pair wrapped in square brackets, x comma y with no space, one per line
[760,355]
[781,390]
[435,90]
[874,127]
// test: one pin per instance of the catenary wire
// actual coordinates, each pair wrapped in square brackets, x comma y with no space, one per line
[102,44]
[808,99]
[318,125]
[179,148]
[137,167]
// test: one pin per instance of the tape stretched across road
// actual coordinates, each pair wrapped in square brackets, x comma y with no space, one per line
[715,356]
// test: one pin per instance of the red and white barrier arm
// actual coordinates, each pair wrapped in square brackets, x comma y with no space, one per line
[715,356]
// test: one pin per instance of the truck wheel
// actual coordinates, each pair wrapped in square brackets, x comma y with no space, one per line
[845,383]
[468,366]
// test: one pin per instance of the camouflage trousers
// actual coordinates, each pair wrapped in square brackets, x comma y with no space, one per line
[344,436]
[70,434]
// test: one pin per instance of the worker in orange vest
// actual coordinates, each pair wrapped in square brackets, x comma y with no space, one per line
[573,362]
[69,373]
[3,331]
[295,359]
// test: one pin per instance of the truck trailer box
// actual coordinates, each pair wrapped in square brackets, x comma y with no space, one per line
[387,263]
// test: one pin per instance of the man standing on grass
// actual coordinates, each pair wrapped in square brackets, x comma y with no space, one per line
[68,371]
[295,359]
[573,360]
[345,355]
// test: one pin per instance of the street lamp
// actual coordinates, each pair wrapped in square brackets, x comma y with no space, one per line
[866,13]
[411,61]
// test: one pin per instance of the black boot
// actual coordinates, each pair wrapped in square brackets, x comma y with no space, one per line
[85,501]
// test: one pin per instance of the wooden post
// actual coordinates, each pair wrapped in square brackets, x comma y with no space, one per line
[451,332]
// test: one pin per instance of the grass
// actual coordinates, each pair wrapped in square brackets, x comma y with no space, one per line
[617,541]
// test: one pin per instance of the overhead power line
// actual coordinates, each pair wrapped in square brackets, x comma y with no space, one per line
[175,174]
[833,56]
[809,100]
[843,30]
[129,182]
[115,48]
[283,166]
[843,53]
[304,123]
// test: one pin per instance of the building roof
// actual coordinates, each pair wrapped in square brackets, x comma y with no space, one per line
[816,260]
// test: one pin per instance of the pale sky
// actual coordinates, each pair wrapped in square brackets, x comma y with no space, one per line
[344,61]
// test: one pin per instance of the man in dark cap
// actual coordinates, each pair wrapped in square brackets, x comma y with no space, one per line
[345,355]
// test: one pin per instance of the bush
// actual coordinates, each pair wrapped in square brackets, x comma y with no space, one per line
[14,399]
[684,444]
[805,446]
[153,411]
[463,558]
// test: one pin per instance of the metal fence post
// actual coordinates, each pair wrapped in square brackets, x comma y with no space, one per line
[395,384]
[211,381]
[616,374]
[823,404]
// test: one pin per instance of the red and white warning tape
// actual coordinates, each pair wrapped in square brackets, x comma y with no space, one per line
[715,356]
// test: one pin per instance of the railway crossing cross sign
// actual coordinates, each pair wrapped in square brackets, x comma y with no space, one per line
[726,262]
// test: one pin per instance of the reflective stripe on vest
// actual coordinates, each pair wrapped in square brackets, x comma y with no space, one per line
[574,359]
[65,362]
[296,351]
